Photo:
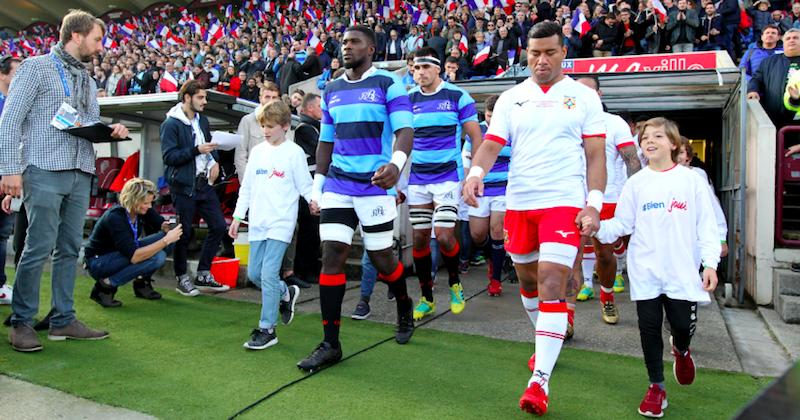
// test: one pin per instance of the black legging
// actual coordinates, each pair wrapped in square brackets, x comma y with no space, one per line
[682,317]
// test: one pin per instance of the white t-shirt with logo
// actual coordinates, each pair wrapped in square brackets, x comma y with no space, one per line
[547,166]
[670,217]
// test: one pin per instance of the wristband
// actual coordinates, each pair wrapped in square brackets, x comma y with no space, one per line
[399,159]
[238,219]
[595,199]
[723,242]
[706,266]
[316,188]
[476,171]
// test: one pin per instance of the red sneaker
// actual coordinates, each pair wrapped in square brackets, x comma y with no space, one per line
[495,288]
[532,362]
[683,368]
[534,400]
[654,402]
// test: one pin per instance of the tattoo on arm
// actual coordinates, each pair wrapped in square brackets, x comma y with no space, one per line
[631,160]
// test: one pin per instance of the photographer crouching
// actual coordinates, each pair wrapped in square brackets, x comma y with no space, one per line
[117,253]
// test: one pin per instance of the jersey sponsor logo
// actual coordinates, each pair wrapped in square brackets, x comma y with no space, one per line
[519,104]
[444,106]
[369,96]
[263,171]
[545,103]
[569,102]
[564,234]
[278,174]
[334,100]
[653,205]
[676,205]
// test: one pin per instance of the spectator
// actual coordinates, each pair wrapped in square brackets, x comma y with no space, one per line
[100,78]
[761,16]
[201,76]
[627,44]
[306,135]
[250,129]
[681,26]
[452,71]
[8,66]
[380,43]
[123,86]
[270,73]
[255,65]
[250,90]
[287,75]
[730,12]
[213,73]
[571,40]
[604,36]
[326,76]
[56,185]
[295,100]
[503,43]
[192,168]
[491,32]
[437,42]
[230,83]
[394,47]
[408,78]
[311,67]
[138,79]
[778,19]
[413,41]
[117,253]
[767,46]
[710,29]
[794,15]
[113,80]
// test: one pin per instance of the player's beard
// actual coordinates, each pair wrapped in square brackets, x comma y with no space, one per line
[354,64]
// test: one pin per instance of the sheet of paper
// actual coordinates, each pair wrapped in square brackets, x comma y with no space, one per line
[226,141]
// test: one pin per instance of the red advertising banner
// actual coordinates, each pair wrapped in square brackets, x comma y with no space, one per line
[642,63]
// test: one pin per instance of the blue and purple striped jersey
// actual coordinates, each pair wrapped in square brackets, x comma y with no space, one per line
[360,118]
[438,120]
[494,183]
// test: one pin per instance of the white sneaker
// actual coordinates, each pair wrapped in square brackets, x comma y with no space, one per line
[5,295]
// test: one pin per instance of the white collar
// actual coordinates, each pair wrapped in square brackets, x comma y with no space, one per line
[438,88]
[366,74]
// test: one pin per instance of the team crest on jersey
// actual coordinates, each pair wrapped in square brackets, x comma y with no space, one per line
[369,96]
[569,102]
[445,106]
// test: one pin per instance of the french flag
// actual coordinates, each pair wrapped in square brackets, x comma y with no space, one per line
[499,71]
[481,56]
[580,24]
[229,11]
[451,5]
[310,15]
[313,42]
[175,40]
[109,43]
[463,45]
[393,4]
[236,30]
[422,18]
[128,29]
[197,27]
[27,47]
[660,10]
[163,31]
[168,83]
[328,24]
[268,6]
[476,4]
[154,43]
[512,54]
[214,34]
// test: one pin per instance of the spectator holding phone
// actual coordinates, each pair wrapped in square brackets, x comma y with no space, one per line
[117,252]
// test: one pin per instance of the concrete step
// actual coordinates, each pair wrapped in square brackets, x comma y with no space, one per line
[789,308]
[788,282]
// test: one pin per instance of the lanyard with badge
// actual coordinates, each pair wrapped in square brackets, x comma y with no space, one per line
[67,116]
[134,228]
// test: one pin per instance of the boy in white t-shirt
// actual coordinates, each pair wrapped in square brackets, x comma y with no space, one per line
[667,210]
[275,177]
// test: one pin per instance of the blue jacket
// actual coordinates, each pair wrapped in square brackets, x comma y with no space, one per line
[753,57]
[178,151]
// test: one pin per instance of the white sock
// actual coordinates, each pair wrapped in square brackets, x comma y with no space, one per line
[587,265]
[285,296]
[550,330]
[531,305]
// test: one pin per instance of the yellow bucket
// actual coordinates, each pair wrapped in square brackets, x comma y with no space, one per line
[241,247]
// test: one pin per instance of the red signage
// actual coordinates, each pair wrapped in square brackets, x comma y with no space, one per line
[642,63]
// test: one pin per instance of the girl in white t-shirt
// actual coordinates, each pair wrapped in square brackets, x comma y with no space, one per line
[667,210]
[274,179]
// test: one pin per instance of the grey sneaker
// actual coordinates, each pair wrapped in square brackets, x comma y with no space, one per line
[185,286]
[261,339]
[362,310]
[75,331]
[23,338]
[286,308]
[206,282]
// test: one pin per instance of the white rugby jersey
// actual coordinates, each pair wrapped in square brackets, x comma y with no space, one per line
[670,218]
[618,135]
[547,166]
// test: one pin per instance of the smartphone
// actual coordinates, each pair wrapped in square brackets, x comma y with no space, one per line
[16,204]
[174,221]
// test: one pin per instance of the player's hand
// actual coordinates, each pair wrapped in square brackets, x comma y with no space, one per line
[724,252]
[119,132]
[386,176]
[313,208]
[11,185]
[709,279]
[400,199]
[233,230]
[592,222]
[473,188]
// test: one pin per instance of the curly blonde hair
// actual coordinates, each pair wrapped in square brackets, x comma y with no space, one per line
[135,192]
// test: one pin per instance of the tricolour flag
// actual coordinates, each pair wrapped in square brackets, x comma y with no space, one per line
[476,4]
[229,11]
[481,56]
[463,45]
[128,29]
[175,40]
[314,42]
[422,18]
[310,15]
[109,43]
[163,31]
[451,5]
[154,43]
[512,54]
[659,9]
[168,83]
[580,24]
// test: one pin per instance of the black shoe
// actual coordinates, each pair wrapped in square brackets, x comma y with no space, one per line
[295,280]
[206,282]
[405,324]
[104,296]
[323,355]
[44,325]
[261,339]
[362,310]
[795,267]
[389,295]
[286,308]
[143,288]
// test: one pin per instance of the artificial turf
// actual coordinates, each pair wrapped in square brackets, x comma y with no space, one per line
[183,358]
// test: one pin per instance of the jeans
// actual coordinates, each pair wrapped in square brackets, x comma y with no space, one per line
[56,202]
[205,202]
[683,47]
[264,269]
[6,226]
[369,275]
[119,269]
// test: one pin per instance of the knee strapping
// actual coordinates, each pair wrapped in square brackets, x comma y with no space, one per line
[445,216]
[420,218]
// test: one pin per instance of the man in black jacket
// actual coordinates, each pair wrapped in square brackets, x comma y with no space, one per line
[191,169]
[306,135]
[730,12]
[768,84]
[311,67]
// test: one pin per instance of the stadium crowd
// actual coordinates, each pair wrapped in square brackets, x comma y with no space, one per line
[236,48]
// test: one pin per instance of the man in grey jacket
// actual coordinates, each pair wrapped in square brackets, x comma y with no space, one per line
[56,185]
[681,26]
